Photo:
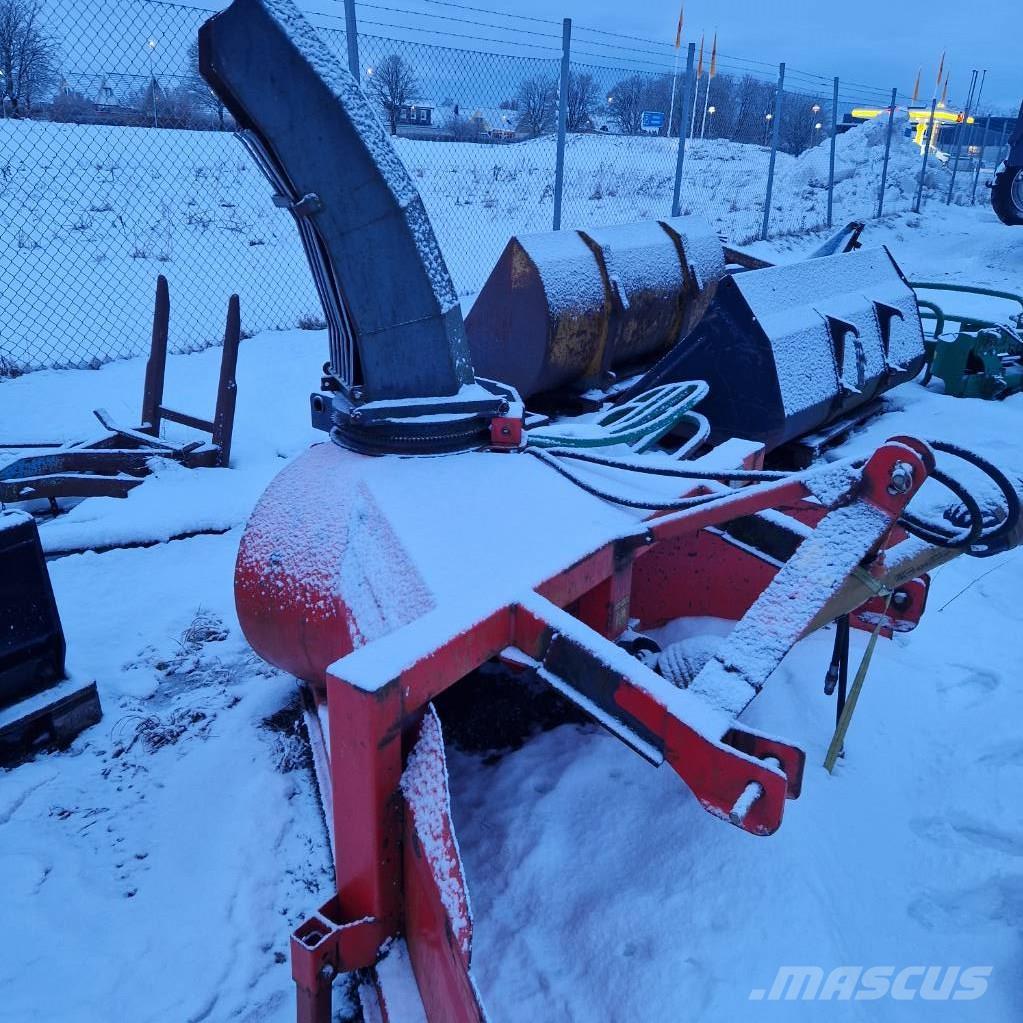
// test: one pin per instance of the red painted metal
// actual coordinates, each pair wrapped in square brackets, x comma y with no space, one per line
[717,771]
[901,614]
[721,579]
[506,431]
[438,921]
[296,580]
[287,582]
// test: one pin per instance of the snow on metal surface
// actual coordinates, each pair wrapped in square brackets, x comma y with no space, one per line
[792,302]
[570,275]
[783,612]
[424,786]
[639,257]
[352,558]
[374,138]
[704,252]
[11,518]
[474,552]
[705,716]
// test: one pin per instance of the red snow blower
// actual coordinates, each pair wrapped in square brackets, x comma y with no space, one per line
[443,526]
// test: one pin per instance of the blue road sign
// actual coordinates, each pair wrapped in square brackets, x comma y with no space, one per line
[652,120]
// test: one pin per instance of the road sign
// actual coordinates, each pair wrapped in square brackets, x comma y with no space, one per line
[652,120]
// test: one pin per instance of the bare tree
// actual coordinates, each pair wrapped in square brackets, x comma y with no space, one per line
[582,99]
[802,112]
[394,84]
[462,128]
[71,106]
[627,102]
[537,105]
[200,96]
[28,53]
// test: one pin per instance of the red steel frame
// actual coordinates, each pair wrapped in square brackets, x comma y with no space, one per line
[673,566]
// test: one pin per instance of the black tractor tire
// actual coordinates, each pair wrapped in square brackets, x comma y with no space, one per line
[1007,196]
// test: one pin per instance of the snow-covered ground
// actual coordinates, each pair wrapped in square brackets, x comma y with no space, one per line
[153,871]
[91,214]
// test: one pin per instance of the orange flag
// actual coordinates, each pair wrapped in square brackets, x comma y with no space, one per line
[678,31]
[714,57]
[699,66]
[916,86]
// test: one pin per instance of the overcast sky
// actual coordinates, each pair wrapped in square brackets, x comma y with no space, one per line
[879,42]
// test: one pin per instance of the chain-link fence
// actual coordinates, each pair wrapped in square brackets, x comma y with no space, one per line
[117,164]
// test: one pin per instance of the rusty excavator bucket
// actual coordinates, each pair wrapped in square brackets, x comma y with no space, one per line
[571,309]
[440,527]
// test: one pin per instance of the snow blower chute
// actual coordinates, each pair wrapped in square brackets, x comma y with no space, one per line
[442,527]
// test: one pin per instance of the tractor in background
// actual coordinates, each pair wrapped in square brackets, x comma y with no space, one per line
[1007,187]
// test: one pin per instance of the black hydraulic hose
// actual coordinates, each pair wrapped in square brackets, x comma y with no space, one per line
[1000,480]
[936,534]
[686,502]
[726,476]
[975,537]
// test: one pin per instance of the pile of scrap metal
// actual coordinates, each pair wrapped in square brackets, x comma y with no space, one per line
[117,461]
[41,706]
[637,495]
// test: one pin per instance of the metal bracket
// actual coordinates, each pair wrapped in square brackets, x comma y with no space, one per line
[307,206]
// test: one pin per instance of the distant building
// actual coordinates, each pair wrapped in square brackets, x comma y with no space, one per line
[418,119]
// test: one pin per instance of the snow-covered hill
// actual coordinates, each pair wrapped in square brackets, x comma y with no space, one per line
[89,215]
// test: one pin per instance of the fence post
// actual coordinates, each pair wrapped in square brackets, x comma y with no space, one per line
[775,134]
[687,84]
[831,162]
[559,160]
[928,136]
[352,38]
[980,160]
[960,129]
[887,152]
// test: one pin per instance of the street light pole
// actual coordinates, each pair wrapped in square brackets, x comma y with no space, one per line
[152,80]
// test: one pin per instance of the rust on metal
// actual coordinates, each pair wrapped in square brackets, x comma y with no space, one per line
[566,310]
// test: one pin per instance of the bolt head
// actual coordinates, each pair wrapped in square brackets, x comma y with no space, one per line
[901,479]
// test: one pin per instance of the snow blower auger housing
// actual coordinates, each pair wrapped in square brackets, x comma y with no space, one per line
[383,581]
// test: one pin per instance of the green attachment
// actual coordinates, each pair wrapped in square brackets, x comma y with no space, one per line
[932,311]
[639,423]
[983,360]
[981,364]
